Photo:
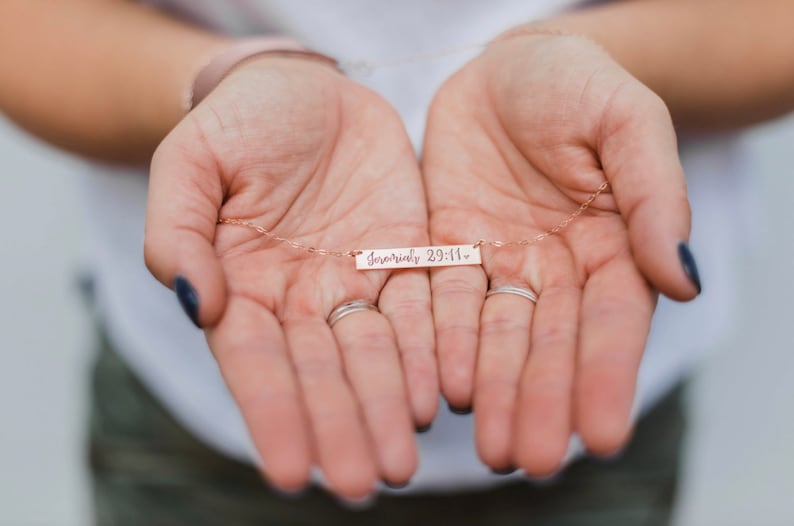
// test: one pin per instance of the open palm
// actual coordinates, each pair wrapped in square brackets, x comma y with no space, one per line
[298,149]
[516,140]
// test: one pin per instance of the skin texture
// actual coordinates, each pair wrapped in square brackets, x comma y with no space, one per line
[717,64]
[105,79]
[78,73]
[515,141]
[297,148]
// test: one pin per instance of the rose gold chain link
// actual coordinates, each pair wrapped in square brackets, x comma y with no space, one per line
[366,67]
[543,235]
[294,244]
[480,243]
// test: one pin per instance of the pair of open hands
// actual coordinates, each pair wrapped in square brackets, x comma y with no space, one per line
[515,141]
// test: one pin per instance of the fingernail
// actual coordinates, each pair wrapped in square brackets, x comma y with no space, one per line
[291,494]
[503,471]
[360,503]
[187,298]
[552,477]
[459,411]
[396,485]
[425,428]
[609,457]
[690,267]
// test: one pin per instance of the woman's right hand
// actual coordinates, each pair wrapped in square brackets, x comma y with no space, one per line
[295,147]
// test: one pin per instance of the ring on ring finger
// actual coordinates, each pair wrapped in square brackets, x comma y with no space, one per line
[350,307]
[526,293]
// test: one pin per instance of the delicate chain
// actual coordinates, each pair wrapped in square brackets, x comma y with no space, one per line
[366,67]
[540,237]
[480,243]
[294,244]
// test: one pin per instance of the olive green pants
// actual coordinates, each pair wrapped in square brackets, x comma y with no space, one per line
[149,471]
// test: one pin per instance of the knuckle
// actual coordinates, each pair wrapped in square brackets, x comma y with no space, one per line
[556,336]
[315,370]
[408,309]
[455,286]
[503,324]
[456,328]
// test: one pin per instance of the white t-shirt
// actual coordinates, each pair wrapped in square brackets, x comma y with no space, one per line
[147,326]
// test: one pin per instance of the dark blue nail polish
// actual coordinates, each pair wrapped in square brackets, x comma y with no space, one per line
[425,428]
[503,471]
[459,411]
[187,298]
[690,267]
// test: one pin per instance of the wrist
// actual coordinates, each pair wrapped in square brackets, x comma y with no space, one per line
[238,53]
[544,30]
[611,28]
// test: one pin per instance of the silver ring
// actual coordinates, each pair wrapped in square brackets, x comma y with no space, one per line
[348,308]
[518,291]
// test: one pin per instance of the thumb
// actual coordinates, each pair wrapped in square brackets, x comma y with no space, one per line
[185,194]
[639,155]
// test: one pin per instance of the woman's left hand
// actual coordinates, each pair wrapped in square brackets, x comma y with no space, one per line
[516,141]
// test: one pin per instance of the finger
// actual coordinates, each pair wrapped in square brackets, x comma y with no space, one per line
[543,415]
[639,155]
[457,295]
[616,317]
[504,345]
[182,210]
[405,301]
[340,439]
[372,365]
[251,352]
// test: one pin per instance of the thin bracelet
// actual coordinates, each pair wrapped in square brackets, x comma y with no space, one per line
[222,64]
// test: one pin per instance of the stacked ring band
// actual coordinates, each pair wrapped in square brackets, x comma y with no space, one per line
[348,308]
[518,291]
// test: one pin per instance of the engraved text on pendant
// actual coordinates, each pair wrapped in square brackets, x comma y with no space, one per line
[418,257]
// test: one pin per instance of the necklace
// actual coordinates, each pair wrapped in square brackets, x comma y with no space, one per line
[417,257]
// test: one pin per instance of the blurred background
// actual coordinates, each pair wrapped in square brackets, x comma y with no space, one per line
[739,459]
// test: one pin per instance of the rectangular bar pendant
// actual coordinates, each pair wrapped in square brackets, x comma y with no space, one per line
[418,257]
